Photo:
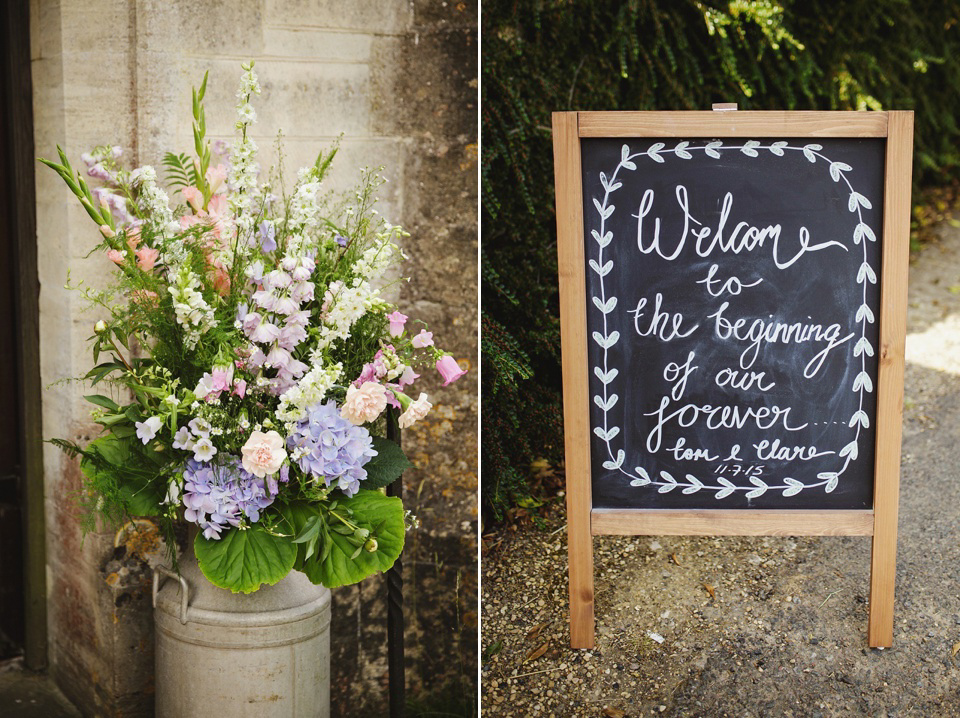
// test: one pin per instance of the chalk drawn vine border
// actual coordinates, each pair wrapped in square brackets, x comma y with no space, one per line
[862,383]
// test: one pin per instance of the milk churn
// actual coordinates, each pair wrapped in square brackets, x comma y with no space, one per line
[264,654]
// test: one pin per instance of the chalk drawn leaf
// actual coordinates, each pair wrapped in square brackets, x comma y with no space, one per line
[612,465]
[863,381]
[615,463]
[695,485]
[654,149]
[836,168]
[640,482]
[629,165]
[866,272]
[604,270]
[681,150]
[624,153]
[605,404]
[777,148]
[724,493]
[862,346]
[604,181]
[615,186]
[605,376]
[666,476]
[867,232]
[670,485]
[607,306]
[608,434]
[749,148]
[712,147]
[851,449]
[859,417]
[865,312]
[858,199]
[757,481]
[604,240]
[832,478]
[642,473]
[808,151]
[793,487]
[725,482]
[756,492]
[608,341]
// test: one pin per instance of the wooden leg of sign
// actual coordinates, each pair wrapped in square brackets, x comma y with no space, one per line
[580,549]
[893,322]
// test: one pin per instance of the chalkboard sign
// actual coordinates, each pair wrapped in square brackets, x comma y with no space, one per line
[733,303]
[733,311]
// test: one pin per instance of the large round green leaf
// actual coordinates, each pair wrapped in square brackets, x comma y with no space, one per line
[244,560]
[379,514]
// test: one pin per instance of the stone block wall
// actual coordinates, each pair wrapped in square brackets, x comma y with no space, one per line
[398,80]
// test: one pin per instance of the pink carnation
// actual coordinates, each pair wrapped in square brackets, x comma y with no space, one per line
[263,453]
[364,404]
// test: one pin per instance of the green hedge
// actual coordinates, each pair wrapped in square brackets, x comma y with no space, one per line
[541,56]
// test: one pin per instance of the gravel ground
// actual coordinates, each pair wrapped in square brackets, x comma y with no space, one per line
[702,626]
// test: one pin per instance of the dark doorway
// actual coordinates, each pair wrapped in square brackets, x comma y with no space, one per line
[11,527]
[22,534]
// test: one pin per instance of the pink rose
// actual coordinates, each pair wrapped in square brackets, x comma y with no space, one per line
[449,369]
[416,411]
[397,320]
[146,258]
[263,453]
[423,339]
[364,404]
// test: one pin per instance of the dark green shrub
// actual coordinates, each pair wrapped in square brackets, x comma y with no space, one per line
[541,56]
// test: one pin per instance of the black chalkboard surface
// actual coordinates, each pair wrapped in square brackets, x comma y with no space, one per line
[732,314]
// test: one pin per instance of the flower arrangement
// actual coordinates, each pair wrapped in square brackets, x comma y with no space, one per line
[252,358]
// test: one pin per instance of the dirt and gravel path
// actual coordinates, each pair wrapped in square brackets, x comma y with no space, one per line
[699,626]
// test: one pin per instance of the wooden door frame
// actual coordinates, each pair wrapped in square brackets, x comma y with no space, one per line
[18,103]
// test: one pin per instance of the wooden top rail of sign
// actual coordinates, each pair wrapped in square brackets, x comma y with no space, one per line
[585,521]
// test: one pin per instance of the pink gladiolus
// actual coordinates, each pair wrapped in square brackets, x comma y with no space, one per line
[423,339]
[216,176]
[397,320]
[146,258]
[194,197]
[106,231]
[221,279]
[133,238]
[449,369]
[143,296]
[115,256]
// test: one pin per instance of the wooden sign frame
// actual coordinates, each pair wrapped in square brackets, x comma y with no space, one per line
[880,522]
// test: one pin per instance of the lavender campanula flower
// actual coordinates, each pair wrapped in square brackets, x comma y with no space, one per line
[330,448]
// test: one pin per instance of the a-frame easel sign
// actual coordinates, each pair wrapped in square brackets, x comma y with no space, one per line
[733,312]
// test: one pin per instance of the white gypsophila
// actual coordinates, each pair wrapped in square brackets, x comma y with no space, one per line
[311,389]
[344,306]
[193,313]
[153,201]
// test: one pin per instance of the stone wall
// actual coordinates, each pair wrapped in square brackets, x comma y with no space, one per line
[398,80]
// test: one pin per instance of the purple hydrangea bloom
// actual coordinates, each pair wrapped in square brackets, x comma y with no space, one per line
[329,447]
[220,495]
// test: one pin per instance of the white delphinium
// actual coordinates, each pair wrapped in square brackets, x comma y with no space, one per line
[152,200]
[304,208]
[342,307]
[243,165]
[378,257]
[310,390]
[193,313]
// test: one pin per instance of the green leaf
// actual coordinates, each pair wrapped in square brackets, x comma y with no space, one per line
[339,564]
[105,401]
[387,466]
[242,561]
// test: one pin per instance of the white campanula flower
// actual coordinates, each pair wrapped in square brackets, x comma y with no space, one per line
[183,439]
[173,493]
[200,427]
[204,450]
[148,429]
[172,401]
